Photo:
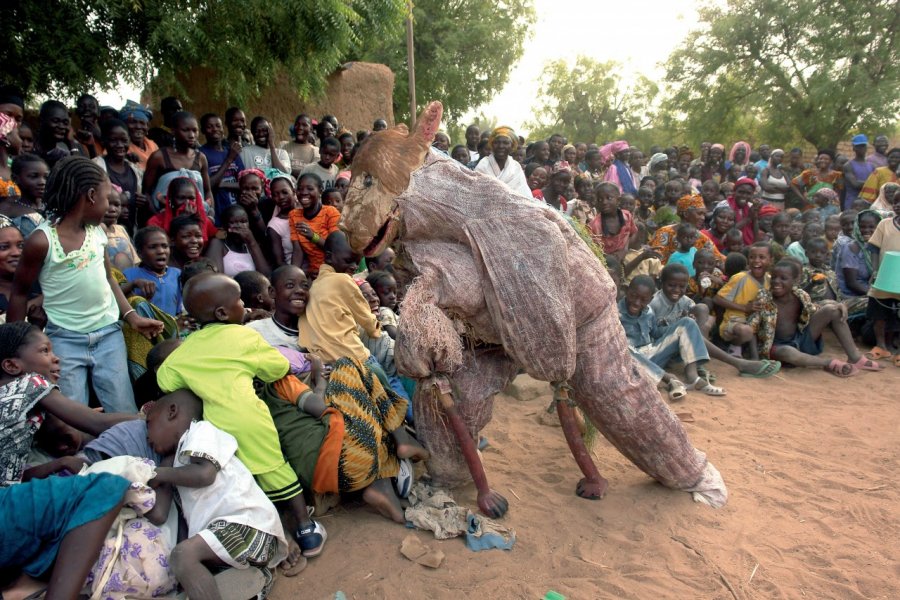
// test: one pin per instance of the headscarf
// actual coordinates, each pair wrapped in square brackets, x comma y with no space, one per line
[769,209]
[858,238]
[718,147]
[608,151]
[257,172]
[561,166]
[506,132]
[690,201]
[136,111]
[6,222]
[881,203]
[271,175]
[771,154]
[829,193]
[745,181]
[344,175]
[656,159]
[734,148]
[165,217]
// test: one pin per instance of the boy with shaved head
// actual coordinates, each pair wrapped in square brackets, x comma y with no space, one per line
[218,363]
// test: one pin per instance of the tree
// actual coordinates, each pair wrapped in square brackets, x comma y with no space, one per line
[816,69]
[64,47]
[591,101]
[464,50]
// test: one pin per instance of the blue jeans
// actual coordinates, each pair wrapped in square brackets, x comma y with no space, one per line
[680,339]
[100,355]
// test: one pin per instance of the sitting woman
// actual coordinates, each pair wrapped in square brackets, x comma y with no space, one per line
[853,261]
[500,164]
[691,209]
[310,224]
[235,248]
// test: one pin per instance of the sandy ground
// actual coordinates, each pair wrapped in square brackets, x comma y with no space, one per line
[810,462]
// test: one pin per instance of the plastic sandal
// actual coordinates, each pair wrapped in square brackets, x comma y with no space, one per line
[701,385]
[677,391]
[836,368]
[877,353]
[867,364]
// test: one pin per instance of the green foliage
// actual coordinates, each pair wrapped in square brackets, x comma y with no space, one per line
[787,69]
[464,50]
[592,101]
[248,43]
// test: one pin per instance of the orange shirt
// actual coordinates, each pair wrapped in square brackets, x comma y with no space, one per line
[324,223]
[144,154]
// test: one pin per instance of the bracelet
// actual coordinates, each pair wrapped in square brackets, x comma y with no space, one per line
[315,238]
[125,316]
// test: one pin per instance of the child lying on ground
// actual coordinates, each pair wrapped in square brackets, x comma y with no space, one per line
[790,326]
[230,520]
[738,298]
[219,363]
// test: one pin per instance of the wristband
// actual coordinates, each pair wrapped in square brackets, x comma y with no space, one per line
[128,312]
[315,238]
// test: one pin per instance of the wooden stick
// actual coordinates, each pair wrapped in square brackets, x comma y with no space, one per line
[753,574]
[513,492]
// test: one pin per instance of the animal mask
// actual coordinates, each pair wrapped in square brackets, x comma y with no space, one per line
[381,171]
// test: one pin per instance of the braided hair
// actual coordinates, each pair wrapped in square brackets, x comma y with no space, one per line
[69,180]
[13,336]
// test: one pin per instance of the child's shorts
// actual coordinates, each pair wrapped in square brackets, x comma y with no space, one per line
[280,484]
[802,341]
[726,328]
[240,546]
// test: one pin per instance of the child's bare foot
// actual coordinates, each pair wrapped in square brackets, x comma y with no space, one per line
[382,497]
[408,446]
[295,561]
[23,587]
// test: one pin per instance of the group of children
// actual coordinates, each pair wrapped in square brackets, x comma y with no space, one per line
[206,299]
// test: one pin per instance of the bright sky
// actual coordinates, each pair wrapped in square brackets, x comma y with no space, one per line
[637,33]
[640,34]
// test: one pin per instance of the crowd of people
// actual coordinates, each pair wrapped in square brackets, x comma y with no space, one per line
[203,295]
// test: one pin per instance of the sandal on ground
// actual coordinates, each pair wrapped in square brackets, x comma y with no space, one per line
[702,385]
[867,364]
[838,368]
[767,368]
[677,391]
[706,374]
[877,353]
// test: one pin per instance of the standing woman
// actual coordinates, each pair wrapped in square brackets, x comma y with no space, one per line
[773,181]
[301,149]
[137,118]
[184,158]
[810,181]
[739,156]
[499,163]
[123,173]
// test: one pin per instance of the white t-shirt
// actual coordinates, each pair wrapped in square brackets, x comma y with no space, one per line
[233,496]
[272,333]
[255,157]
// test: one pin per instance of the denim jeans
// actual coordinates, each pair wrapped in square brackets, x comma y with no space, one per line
[100,355]
[680,339]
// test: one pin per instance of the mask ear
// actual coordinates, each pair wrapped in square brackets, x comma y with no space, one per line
[429,122]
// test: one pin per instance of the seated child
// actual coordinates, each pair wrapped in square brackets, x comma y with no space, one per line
[734,241]
[832,231]
[781,233]
[670,303]
[845,236]
[685,237]
[28,374]
[218,363]
[682,339]
[333,197]
[640,259]
[708,278]
[738,298]
[154,279]
[256,294]
[735,262]
[120,250]
[231,522]
[385,286]
[790,326]
[337,308]
[820,281]
[290,293]
[812,229]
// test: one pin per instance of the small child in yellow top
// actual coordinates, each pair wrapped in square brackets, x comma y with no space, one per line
[739,299]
